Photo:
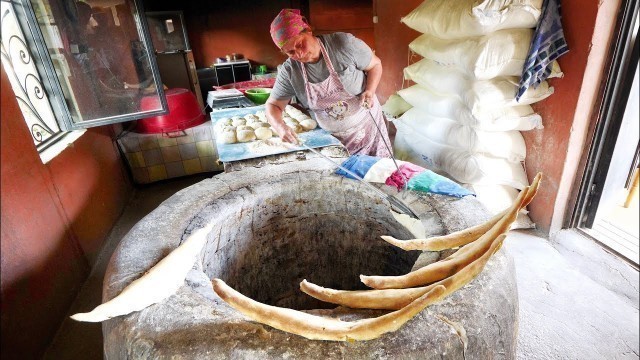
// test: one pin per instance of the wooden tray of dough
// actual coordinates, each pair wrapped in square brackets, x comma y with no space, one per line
[315,138]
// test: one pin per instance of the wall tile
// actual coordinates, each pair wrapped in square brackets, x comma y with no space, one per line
[188,151]
[156,173]
[192,166]
[171,153]
[152,157]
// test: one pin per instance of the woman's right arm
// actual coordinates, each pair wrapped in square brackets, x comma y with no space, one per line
[274,109]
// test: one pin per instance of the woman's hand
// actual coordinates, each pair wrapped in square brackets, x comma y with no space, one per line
[366,99]
[285,133]
[274,109]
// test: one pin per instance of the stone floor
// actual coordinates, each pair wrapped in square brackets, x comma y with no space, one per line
[577,301]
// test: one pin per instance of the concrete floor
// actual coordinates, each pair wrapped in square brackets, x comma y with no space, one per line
[577,301]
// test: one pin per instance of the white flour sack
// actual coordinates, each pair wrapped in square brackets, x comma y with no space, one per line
[520,117]
[395,106]
[461,165]
[436,104]
[500,197]
[501,92]
[440,79]
[508,145]
[487,118]
[449,19]
[501,53]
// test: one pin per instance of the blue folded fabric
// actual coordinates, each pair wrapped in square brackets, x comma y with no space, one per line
[425,181]
[358,164]
[548,44]
[428,181]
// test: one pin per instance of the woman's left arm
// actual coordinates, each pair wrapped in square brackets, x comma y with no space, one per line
[374,73]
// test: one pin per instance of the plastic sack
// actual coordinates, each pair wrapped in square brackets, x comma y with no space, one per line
[448,19]
[395,106]
[497,198]
[483,116]
[482,94]
[463,166]
[509,145]
[438,78]
[502,53]
[501,92]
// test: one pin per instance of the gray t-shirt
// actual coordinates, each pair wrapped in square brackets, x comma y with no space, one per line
[349,56]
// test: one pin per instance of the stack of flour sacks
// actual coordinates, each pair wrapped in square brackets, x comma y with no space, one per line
[461,117]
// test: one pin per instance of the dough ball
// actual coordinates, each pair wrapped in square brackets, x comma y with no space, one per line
[238,122]
[291,121]
[229,128]
[244,128]
[228,137]
[263,133]
[301,117]
[297,128]
[291,110]
[245,135]
[224,121]
[249,117]
[258,124]
[308,124]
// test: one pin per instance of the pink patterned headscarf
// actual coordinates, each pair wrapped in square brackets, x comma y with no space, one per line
[286,25]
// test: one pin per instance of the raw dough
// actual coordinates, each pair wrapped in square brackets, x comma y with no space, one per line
[258,124]
[263,133]
[245,135]
[239,121]
[228,137]
[308,124]
[297,128]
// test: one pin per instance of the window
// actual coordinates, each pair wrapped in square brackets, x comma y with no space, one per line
[78,64]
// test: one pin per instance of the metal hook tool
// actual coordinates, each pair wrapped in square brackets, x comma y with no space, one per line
[406,181]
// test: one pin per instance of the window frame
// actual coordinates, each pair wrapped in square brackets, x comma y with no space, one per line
[35,42]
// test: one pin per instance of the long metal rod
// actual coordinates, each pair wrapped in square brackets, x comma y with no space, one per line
[404,177]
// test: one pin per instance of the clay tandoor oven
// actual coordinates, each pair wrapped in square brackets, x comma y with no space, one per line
[277,224]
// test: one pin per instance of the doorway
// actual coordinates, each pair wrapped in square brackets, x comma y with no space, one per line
[607,209]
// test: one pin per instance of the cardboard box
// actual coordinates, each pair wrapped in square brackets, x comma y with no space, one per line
[155,157]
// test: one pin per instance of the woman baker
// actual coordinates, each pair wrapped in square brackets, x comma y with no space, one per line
[333,75]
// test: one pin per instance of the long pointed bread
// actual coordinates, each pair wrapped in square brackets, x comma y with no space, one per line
[160,282]
[320,328]
[451,265]
[458,238]
[392,299]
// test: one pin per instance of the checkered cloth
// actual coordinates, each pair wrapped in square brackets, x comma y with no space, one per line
[547,45]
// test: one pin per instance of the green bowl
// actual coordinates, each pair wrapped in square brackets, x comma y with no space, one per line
[258,95]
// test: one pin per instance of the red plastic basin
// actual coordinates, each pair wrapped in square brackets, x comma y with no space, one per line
[184,113]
